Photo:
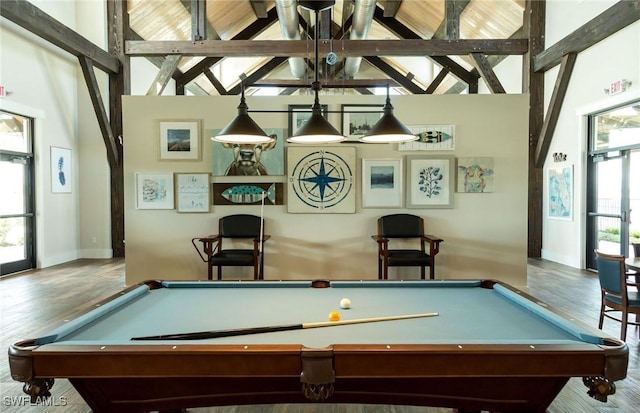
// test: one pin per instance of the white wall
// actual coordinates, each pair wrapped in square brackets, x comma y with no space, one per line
[485,234]
[615,58]
[46,83]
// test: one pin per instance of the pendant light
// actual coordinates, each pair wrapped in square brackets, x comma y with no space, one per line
[388,129]
[316,129]
[242,129]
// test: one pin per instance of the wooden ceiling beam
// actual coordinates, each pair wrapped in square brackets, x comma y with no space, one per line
[348,48]
[258,74]
[401,79]
[113,155]
[391,8]
[436,81]
[249,32]
[446,62]
[326,84]
[555,105]
[164,75]
[215,82]
[615,18]
[201,28]
[259,8]
[485,69]
[458,6]
[31,18]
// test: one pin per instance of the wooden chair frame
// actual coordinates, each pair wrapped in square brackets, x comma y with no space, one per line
[213,244]
[424,239]
[607,305]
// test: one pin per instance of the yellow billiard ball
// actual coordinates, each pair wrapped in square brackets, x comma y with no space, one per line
[334,316]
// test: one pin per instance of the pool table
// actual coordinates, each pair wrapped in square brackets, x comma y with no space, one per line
[490,347]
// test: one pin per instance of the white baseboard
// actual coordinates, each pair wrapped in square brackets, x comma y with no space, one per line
[561,259]
[96,253]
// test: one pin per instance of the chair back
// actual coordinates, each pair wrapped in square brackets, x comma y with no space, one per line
[240,226]
[636,249]
[400,226]
[611,273]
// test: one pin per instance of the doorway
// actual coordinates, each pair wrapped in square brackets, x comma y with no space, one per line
[17,203]
[613,181]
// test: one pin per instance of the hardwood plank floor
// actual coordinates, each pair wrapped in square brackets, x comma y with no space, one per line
[34,301]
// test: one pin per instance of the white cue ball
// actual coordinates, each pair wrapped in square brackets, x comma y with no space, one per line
[345,303]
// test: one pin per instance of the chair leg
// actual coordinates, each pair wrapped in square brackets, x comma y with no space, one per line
[601,321]
[422,272]
[623,333]
[219,272]
[379,268]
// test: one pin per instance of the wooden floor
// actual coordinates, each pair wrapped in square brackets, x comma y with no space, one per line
[34,301]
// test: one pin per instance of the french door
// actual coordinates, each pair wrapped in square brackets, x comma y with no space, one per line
[17,206]
[613,182]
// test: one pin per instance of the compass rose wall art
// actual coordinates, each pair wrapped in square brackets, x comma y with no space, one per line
[321,180]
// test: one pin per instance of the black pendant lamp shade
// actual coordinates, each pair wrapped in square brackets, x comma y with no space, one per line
[388,129]
[242,129]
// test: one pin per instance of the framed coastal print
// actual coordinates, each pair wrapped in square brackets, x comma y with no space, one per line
[430,181]
[299,114]
[560,200]
[382,183]
[192,192]
[180,140]
[357,120]
[154,190]
[60,170]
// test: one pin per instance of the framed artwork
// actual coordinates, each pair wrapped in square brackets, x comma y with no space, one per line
[430,138]
[192,192]
[154,190]
[560,180]
[382,183]
[232,159]
[180,140]
[321,179]
[357,120]
[430,181]
[299,114]
[248,193]
[475,174]
[60,170]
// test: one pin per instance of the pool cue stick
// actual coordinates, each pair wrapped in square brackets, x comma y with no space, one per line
[270,329]
[261,224]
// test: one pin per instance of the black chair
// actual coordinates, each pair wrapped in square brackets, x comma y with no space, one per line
[240,226]
[405,226]
[616,296]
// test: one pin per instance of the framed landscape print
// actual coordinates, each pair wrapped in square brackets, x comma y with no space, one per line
[382,183]
[180,140]
[430,181]
[357,120]
[154,190]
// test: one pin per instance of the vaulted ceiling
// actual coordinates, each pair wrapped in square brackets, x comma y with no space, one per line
[408,64]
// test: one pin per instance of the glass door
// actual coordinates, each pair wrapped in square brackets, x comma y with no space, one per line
[17,206]
[613,180]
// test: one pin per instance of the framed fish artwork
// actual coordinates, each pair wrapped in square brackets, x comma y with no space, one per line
[248,193]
